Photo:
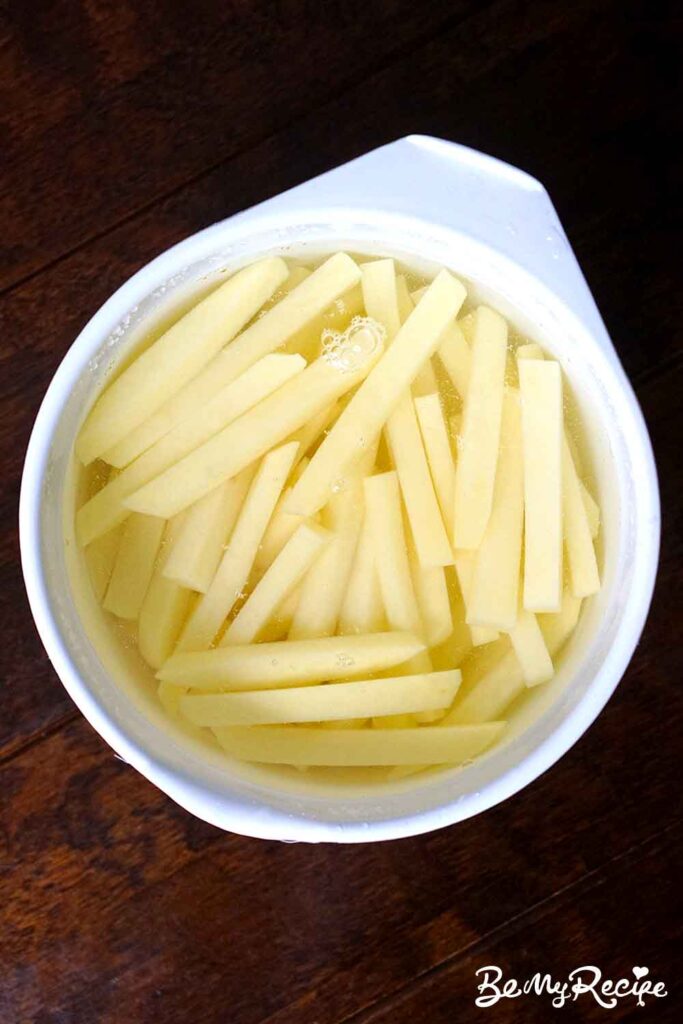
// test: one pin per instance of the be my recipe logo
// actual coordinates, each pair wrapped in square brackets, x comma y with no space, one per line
[583,982]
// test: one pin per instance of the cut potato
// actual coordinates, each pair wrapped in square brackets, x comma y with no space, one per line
[478,455]
[358,699]
[542,434]
[583,566]
[336,318]
[279,581]
[466,324]
[100,557]
[290,662]
[439,453]
[164,608]
[268,424]
[403,299]
[134,566]
[280,622]
[106,508]
[464,568]
[493,597]
[237,561]
[530,649]
[176,357]
[383,509]
[369,408]
[433,601]
[359,747]
[592,511]
[455,354]
[557,627]
[490,696]
[313,431]
[362,610]
[380,295]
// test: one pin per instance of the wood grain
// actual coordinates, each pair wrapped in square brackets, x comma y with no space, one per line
[124,128]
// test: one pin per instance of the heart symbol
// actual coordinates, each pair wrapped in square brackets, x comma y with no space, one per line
[640,972]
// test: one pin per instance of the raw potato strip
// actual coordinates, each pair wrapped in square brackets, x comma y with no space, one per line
[583,567]
[134,566]
[380,295]
[493,598]
[252,435]
[530,649]
[558,626]
[164,608]
[106,508]
[592,510]
[279,581]
[359,747]
[197,550]
[425,379]
[307,435]
[542,435]
[433,602]
[490,695]
[362,609]
[100,557]
[464,567]
[177,356]
[280,622]
[369,408]
[530,351]
[403,299]
[456,356]
[289,662]
[359,699]
[439,453]
[383,509]
[478,456]
[237,562]
[466,324]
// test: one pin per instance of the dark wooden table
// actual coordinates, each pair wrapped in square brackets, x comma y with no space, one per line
[124,127]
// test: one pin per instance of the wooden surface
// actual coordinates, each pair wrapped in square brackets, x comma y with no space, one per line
[124,127]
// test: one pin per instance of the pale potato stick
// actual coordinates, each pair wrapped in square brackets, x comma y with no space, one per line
[424,515]
[466,324]
[583,567]
[529,647]
[432,599]
[464,568]
[418,293]
[279,581]
[493,598]
[289,662]
[361,747]
[238,558]
[456,356]
[164,608]
[439,453]
[263,427]
[530,351]
[380,295]
[383,509]
[106,508]
[362,609]
[425,380]
[133,566]
[478,455]
[403,299]
[280,622]
[557,626]
[280,528]
[197,549]
[490,695]
[176,357]
[371,405]
[542,433]
[359,699]
[311,432]
[100,557]
[592,510]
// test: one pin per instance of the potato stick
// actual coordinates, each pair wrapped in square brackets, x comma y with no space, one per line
[348,747]
[164,608]
[490,695]
[280,528]
[100,557]
[530,649]
[311,432]
[583,567]
[493,598]
[456,356]
[344,723]
[380,295]
[529,351]
[290,662]
[106,508]
[425,382]
[367,411]
[177,356]
[359,699]
[280,579]
[592,510]
[238,558]
[432,600]
[280,622]
[362,610]
[383,509]
[466,324]
[197,550]
[478,456]
[133,566]
[439,453]
[403,299]
[464,568]
[337,317]
[323,587]
[424,515]
[542,433]
[266,425]
[557,626]
[418,294]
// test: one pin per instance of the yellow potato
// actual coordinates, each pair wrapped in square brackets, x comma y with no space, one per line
[134,565]
[312,431]
[455,354]
[362,610]
[530,649]
[433,601]
[164,608]
[380,295]
[340,747]
[490,696]
[403,299]
[177,356]
[100,557]
[464,568]
[583,566]
[383,509]
[439,453]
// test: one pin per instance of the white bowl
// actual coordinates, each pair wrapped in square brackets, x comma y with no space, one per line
[431,203]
